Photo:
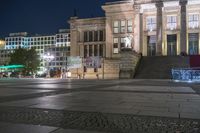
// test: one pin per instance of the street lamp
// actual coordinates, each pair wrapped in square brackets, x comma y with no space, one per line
[64,65]
[48,58]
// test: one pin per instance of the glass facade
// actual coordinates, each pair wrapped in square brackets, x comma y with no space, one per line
[193,21]
[40,43]
[193,43]
[171,22]
[151,23]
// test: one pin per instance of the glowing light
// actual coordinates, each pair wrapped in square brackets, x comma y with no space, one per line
[2,42]
[171,3]
[193,2]
[186,75]
[48,57]
[12,66]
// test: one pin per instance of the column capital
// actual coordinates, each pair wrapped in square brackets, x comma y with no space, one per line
[183,2]
[159,4]
[137,8]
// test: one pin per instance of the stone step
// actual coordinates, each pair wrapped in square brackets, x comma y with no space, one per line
[159,67]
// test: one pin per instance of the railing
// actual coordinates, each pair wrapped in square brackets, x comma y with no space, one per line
[186,74]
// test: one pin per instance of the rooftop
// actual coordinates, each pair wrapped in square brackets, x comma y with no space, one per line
[25,34]
[119,2]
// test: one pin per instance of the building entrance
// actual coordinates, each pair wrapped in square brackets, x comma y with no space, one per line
[151,45]
[193,44]
[172,45]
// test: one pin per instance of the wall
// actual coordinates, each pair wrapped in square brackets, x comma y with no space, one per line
[109,70]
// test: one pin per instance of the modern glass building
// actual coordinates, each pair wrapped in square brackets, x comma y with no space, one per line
[40,42]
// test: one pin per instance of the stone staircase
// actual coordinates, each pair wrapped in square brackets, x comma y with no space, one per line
[159,67]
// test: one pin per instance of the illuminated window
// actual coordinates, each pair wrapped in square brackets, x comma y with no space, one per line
[171,22]
[129,26]
[115,45]
[193,21]
[122,43]
[151,23]
[122,26]
[116,27]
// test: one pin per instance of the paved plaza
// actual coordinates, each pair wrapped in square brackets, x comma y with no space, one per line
[98,106]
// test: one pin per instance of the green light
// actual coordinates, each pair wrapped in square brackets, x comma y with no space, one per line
[11,66]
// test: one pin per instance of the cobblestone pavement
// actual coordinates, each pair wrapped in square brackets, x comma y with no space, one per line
[94,121]
[109,106]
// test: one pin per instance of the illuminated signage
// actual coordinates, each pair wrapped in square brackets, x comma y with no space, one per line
[92,62]
[186,75]
[74,62]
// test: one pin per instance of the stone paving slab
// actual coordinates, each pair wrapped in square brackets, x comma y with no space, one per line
[133,106]
[52,86]
[11,92]
[27,128]
[74,131]
[118,102]
[24,128]
[96,121]
[151,88]
[131,103]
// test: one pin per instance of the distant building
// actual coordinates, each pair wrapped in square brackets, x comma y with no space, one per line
[88,37]
[39,42]
[5,56]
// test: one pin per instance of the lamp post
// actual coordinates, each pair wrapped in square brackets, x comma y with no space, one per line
[64,65]
[48,58]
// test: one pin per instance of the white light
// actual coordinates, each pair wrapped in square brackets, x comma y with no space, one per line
[48,57]
[193,2]
[40,72]
[148,6]
[171,3]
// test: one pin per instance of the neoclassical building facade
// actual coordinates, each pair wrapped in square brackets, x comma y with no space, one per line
[154,28]
[157,27]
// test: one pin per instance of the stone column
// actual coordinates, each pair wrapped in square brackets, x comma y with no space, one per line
[141,32]
[159,6]
[109,38]
[183,28]
[137,23]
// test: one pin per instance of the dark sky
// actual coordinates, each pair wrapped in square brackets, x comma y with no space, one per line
[44,16]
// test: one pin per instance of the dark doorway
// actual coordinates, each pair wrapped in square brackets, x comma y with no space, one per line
[172,45]
[193,44]
[151,45]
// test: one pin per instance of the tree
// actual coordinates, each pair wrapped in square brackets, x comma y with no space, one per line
[27,57]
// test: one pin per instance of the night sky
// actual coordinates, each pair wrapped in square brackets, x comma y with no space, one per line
[44,16]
